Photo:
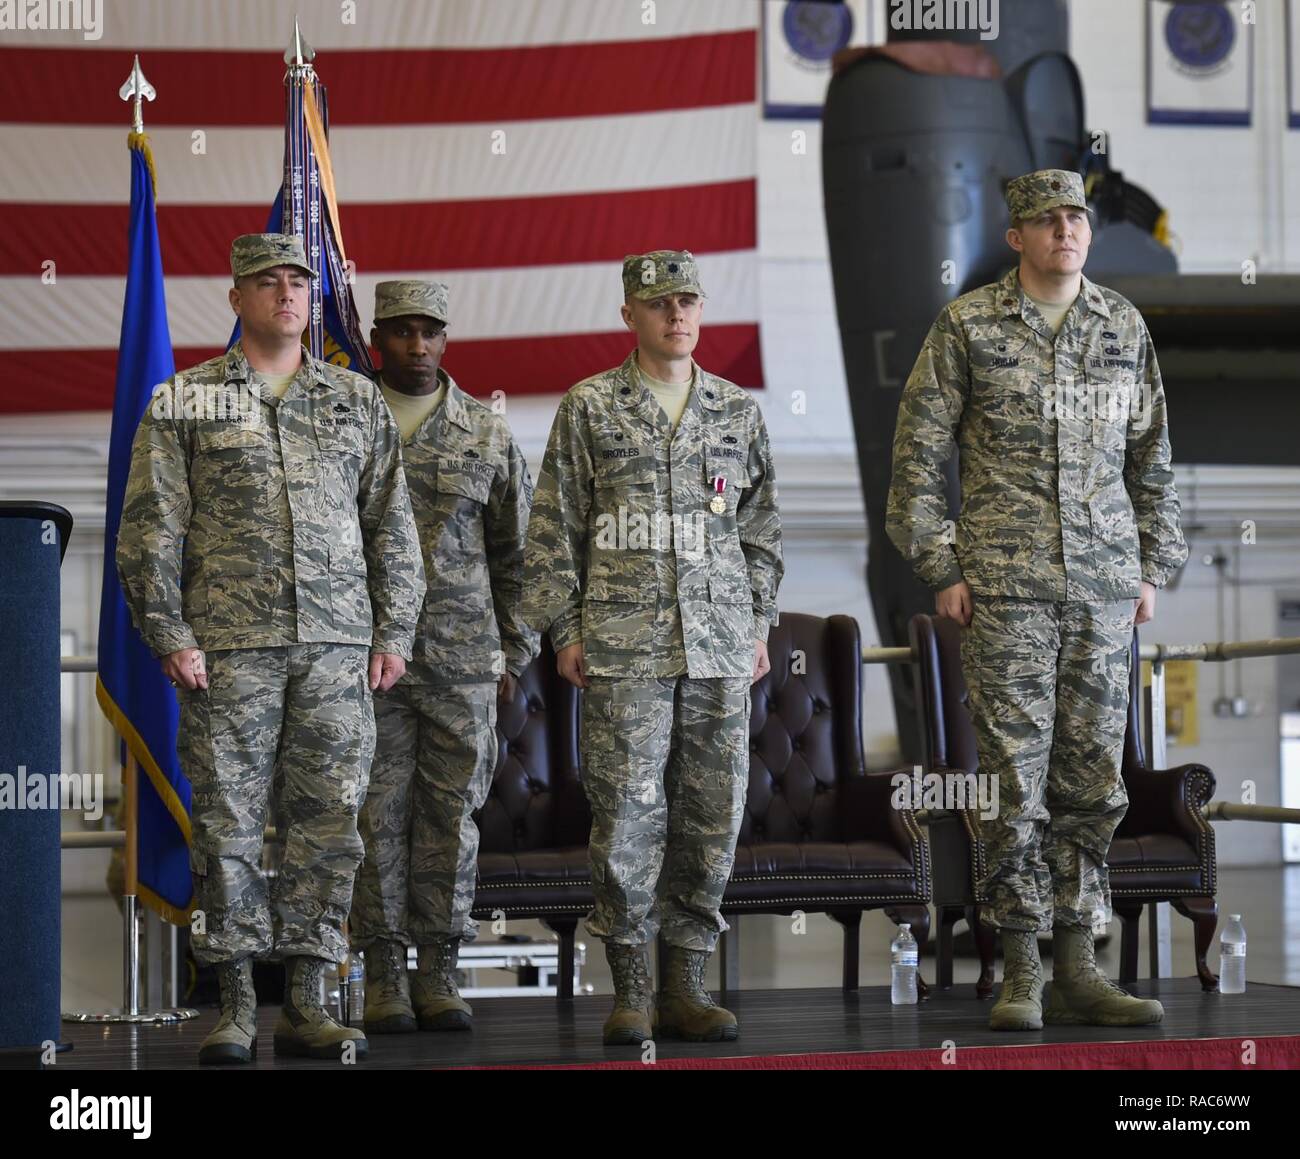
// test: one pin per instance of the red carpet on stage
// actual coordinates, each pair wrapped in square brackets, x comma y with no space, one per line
[1277,1053]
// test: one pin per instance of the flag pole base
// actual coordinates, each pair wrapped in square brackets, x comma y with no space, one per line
[142,1018]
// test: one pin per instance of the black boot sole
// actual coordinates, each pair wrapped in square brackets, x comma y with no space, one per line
[227,1054]
[624,1037]
[453,1020]
[394,1024]
[1055,1018]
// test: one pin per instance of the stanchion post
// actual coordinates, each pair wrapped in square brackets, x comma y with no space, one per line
[131,1011]
[1159,933]
[171,965]
[130,900]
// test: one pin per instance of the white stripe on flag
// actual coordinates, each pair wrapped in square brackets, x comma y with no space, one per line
[139,25]
[86,313]
[409,163]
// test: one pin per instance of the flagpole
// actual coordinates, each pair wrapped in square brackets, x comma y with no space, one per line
[130,888]
[302,178]
[136,89]
[310,209]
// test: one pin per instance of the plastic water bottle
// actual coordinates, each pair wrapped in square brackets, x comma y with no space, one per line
[334,982]
[356,988]
[1232,957]
[902,971]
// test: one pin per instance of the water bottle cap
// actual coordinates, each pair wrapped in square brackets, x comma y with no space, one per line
[904,925]
[1234,917]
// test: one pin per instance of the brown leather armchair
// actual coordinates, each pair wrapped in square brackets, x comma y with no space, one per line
[532,860]
[1163,850]
[820,833]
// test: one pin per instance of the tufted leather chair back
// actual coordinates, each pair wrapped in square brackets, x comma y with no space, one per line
[536,801]
[947,735]
[805,730]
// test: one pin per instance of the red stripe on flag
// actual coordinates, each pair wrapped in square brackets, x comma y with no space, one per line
[38,381]
[555,363]
[390,87]
[90,240]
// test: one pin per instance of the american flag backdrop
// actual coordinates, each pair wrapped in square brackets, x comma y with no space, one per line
[516,149]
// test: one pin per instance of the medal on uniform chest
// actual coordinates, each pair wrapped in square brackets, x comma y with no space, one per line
[718,504]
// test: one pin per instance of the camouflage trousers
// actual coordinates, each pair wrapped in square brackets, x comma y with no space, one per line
[1049,691]
[298,717]
[665,766]
[434,760]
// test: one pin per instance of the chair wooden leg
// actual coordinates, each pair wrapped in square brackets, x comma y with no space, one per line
[943,955]
[851,920]
[729,957]
[1130,916]
[986,945]
[567,929]
[918,917]
[1204,915]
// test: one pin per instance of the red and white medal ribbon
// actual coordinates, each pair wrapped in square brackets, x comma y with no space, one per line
[718,504]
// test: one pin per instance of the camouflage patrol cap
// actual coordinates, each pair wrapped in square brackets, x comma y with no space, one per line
[1032,194]
[395,299]
[254,252]
[649,275]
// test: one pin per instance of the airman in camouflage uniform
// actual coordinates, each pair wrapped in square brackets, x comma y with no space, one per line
[654,557]
[270,560]
[1069,523]
[437,747]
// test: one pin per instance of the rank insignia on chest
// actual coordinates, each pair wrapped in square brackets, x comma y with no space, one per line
[718,504]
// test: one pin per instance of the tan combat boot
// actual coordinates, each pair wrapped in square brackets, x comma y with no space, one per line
[388,992]
[1020,1001]
[438,1004]
[685,1009]
[629,1023]
[305,1028]
[1081,995]
[234,1038]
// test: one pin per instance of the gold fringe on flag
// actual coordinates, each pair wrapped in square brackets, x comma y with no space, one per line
[316,131]
[140,141]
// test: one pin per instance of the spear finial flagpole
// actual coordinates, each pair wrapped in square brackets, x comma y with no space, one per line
[144,358]
[299,54]
[310,210]
[302,214]
[138,89]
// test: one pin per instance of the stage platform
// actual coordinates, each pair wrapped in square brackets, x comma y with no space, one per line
[783,1028]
